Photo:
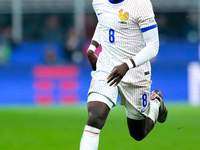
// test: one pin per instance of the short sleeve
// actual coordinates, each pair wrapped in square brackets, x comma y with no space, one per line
[145,15]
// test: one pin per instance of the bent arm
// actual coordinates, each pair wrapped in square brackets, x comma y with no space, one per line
[93,46]
[149,51]
[95,42]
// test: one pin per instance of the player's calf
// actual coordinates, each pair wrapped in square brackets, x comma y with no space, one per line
[139,129]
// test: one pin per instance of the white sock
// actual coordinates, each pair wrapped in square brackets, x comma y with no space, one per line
[154,110]
[90,138]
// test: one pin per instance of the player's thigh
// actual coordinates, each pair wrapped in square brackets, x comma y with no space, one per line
[101,98]
[101,91]
[98,109]
[136,99]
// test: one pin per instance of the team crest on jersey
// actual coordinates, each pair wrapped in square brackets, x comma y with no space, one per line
[123,15]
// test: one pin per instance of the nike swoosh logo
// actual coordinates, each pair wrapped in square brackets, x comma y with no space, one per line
[99,14]
[142,111]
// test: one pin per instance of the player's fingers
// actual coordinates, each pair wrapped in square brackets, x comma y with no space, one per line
[118,80]
[113,72]
[115,81]
[110,78]
[112,83]
[110,75]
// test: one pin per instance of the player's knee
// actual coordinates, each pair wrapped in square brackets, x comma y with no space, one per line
[95,120]
[137,136]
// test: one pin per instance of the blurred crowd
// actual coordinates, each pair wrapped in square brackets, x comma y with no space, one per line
[6,43]
[178,26]
[60,28]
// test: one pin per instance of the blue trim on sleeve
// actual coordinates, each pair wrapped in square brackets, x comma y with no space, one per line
[115,2]
[149,28]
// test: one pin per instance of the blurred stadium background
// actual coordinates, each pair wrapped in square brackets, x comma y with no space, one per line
[43,62]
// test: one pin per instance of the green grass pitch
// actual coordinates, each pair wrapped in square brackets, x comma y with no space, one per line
[60,128]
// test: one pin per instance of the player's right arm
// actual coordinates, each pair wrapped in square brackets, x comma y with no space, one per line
[93,46]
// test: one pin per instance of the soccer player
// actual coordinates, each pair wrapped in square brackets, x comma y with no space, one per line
[128,34]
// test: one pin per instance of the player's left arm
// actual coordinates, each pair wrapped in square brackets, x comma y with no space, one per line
[151,38]
[149,29]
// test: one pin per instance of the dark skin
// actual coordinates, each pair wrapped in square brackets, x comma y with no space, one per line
[98,111]
[92,56]
[117,74]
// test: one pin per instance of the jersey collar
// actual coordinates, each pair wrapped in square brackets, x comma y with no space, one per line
[116,1]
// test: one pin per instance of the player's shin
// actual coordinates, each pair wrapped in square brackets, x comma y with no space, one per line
[154,110]
[90,138]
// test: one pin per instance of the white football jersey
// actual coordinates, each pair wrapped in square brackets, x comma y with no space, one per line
[121,24]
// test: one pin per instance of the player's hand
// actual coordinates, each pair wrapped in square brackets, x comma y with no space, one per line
[117,74]
[92,58]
